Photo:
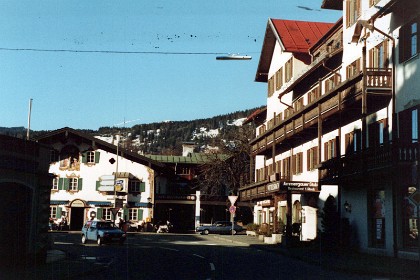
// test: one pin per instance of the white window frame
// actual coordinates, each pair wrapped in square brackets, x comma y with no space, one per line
[133,214]
[53,212]
[90,157]
[106,214]
[73,184]
[54,186]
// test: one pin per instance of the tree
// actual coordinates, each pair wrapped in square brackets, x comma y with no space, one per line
[222,174]
[330,222]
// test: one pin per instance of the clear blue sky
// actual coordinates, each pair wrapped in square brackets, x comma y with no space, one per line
[158,81]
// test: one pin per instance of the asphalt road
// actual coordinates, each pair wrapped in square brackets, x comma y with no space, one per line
[174,256]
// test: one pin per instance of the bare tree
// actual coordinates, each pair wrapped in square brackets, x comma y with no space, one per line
[224,172]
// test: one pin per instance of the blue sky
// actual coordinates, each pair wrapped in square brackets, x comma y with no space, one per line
[153,60]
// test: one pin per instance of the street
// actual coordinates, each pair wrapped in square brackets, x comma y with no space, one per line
[175,256]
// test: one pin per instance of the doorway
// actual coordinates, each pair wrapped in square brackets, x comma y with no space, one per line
[76,218]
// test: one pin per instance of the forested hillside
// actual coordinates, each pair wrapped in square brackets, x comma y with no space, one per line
[164,137]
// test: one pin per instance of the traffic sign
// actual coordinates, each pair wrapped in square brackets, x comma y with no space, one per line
[107,178]
[232,198]
[232,209]
[107,188]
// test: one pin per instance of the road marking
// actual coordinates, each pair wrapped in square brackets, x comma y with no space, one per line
[199,256]
[170,249]
[64,243]
[212,267]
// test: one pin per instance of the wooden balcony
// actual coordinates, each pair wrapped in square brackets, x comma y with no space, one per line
[260,189]
[379,159]
[345,96]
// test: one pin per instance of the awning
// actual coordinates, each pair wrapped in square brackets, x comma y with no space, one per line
[139,204]
[59,202]
[100,203]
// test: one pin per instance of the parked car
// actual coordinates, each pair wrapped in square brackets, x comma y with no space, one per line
[220,227]
[102,232]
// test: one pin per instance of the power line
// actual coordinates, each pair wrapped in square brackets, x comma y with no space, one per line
[110,51]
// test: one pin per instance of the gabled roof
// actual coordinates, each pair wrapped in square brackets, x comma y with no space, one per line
[294,36]
[66,133]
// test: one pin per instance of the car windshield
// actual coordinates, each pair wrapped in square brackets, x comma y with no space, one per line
[105,225]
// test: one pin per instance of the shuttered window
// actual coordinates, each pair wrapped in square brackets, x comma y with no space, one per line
[409,40]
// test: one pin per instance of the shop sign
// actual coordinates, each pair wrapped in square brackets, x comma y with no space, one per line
[266,202]
[175,197]
[300,186]
[271,187]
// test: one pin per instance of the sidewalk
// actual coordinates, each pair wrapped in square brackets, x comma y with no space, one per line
[357,263]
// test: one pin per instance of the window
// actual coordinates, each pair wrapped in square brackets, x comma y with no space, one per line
[297,163]
[288,72]
[271,86]
[106,214]
[90,157]
[313,95]
[279,78]
[378,56]
[330,149]
[73,184]
[378,133]
[53,212]
[352,11]
[409,126]
[54,186]
[136,186]
[409,40]
[332,82]
[312,158]
[298,104]
[132,214]
[286,167]
[353,69]
[414,126]
[353,141]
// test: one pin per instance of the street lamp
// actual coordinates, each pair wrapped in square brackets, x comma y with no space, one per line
[233,57]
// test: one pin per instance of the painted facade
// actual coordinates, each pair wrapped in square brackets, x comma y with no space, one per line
[85,171]
[354,121]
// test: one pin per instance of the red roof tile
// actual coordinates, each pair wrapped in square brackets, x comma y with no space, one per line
[299,36]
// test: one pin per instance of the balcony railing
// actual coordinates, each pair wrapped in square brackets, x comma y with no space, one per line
[378,79]
[377,158]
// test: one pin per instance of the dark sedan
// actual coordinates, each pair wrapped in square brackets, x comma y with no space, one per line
[220,227]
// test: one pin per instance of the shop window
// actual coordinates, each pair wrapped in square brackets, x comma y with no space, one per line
[410,220]
[378,218]
[409,40]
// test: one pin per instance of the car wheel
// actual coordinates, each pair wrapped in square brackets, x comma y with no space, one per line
[206,231]
[99,241]
[233,232]
[83,239]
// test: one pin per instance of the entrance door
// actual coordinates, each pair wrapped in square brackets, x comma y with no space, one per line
[76,218]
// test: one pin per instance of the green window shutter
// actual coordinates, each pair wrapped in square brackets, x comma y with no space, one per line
[140,214]
[84,157]
[125,214]
[97,154]
[66,184]
[98,183]
[60,183]
[79,184]
[142,186]
[59,212]
[99,213]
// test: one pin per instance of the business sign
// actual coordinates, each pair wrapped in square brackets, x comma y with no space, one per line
[300,186]
[271,187]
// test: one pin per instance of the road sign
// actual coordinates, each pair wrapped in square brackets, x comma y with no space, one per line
[232,209]
[415,197]
[107,188]
[232,199]
[107,178]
